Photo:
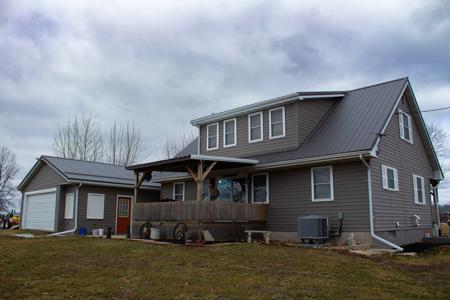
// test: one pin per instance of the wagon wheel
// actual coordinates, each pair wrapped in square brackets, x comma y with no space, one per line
[145,231]
[179,233]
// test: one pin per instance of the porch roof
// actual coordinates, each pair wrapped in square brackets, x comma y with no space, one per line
[179,164]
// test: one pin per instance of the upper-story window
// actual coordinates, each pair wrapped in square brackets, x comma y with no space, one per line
[390,178]
[419,189]
[276,122]
[255,127]
[212,132]
[229,133]
[405,126]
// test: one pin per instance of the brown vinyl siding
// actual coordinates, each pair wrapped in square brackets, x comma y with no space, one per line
[300,119]
[190,190]
[45,178]
[290,197]
[244,148]
[408,159]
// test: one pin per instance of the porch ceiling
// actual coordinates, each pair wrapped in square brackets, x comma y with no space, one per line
[180,164]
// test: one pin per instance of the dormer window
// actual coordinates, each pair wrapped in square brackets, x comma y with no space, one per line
[405,126]
[255,127]
[229,133]
[212,132]
[276,123]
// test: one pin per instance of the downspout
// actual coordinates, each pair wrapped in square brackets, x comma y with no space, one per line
[369,188]
[76,215]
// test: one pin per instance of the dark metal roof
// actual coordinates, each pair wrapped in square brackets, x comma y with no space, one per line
[179,164]
[192,148]
[351,125]
[95,172]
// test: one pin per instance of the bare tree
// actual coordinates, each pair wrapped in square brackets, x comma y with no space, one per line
[440,140]
[174,145]
[80,138]
[8,171]
[124,144]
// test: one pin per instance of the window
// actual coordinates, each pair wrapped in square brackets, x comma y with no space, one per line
[123,207]
[178,191]
[232,190]
[68,210]
[322,183]
[276,123]
[212,141]
[95,206]
[390,178]
[255,127]
[419,189]
[260,188]
[405,126]
[229,133]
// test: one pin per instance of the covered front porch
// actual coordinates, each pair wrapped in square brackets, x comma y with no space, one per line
[222,216]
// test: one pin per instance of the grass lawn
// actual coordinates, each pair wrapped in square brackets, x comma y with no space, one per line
[63,267]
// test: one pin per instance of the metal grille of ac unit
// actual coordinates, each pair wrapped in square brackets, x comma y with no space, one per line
[312,227]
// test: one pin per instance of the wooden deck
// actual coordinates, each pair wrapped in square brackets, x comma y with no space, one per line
[216,211]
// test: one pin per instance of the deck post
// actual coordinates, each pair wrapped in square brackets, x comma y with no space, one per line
[199,180]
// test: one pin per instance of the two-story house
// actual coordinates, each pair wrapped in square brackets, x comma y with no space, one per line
[364,154]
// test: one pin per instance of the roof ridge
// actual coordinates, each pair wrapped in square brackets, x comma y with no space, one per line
[377,84]
[88,161]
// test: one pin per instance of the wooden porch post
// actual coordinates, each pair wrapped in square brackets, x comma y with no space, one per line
[199,180]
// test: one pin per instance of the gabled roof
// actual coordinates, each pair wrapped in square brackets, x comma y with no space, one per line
[80,171]
[352,126]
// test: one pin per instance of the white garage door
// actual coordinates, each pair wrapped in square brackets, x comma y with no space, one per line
[40,210]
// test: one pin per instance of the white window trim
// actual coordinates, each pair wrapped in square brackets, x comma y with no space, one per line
[384,178]
[313,196]
[416,190]
[267,188]
[173,190]
[87,207]
[217,136]
[283,116]
[402,128]
[235,133]
[68,209]
[260,113]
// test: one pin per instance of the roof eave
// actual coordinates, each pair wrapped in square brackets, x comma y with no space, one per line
[260,106]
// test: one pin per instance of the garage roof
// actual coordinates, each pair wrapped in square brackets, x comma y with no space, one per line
[80,171]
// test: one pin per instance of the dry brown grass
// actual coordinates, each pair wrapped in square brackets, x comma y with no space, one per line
[63,267]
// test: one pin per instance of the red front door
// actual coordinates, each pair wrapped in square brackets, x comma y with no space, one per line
[123,214]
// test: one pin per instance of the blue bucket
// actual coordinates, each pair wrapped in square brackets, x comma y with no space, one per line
[83,231]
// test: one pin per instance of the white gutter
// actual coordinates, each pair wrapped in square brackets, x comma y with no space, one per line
[372,232]
[76,216]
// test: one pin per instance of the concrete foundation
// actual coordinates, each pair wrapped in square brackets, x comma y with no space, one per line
[359,237]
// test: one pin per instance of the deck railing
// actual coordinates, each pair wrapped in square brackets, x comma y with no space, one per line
[214,211]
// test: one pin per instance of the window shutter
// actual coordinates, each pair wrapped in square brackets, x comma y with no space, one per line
[410,129]
[384,177]
[396,179]
[400,120]
[416,192]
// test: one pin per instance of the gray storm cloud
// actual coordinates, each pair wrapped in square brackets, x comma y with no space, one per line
[165,63]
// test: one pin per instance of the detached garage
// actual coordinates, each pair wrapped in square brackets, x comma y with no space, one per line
[39,209]
[64,195]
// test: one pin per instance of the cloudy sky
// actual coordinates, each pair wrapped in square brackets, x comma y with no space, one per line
[163,64]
